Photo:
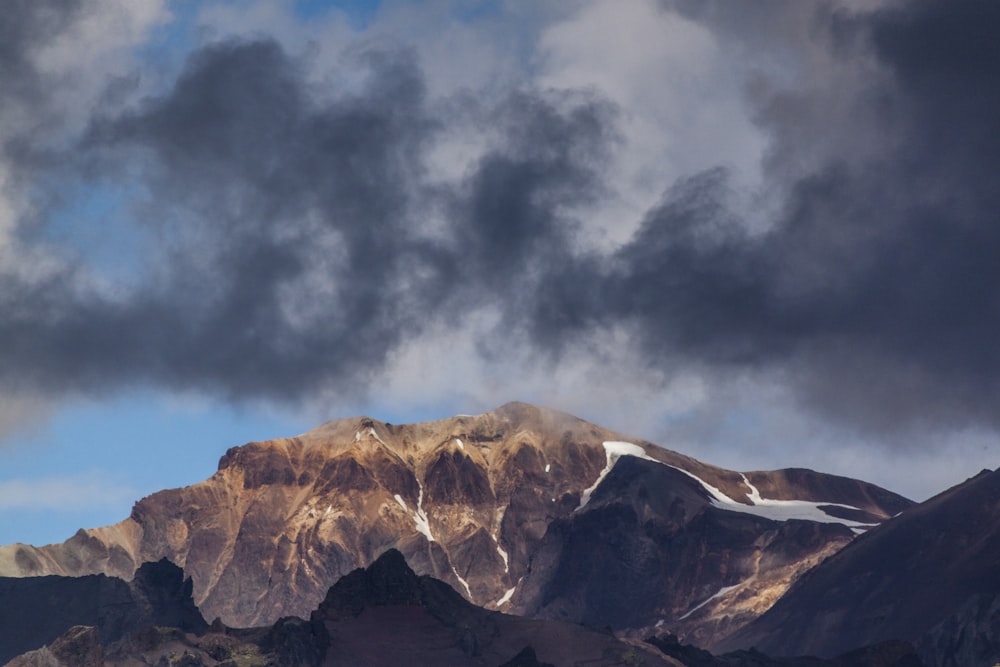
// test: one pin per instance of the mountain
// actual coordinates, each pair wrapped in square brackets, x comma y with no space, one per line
[930,576]
[387,615]
[36,610]
[522,509]
[382,616]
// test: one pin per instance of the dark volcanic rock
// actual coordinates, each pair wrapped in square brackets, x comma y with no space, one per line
[526,658]
[388,581]
[930,576]
[35,611]
[650,530]
[80,646]
[386,615]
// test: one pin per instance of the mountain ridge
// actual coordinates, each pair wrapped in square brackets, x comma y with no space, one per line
[929,576]
[475,501]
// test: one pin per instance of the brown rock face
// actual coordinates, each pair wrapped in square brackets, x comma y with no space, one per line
[510,507]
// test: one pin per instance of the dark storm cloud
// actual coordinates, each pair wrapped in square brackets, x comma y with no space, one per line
[877,290]
[295,255]
[25,25]
[305,241]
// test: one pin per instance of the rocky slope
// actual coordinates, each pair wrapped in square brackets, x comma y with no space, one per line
[386,615]
[522,509]
[930,576]
[382,616]
[36,610]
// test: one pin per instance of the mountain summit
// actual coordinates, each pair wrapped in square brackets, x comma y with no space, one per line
[522,509]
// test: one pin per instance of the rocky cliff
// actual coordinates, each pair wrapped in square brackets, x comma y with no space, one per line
[36,610]
[521,509]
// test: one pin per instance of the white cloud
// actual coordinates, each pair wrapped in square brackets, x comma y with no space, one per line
[81,492]
[682,100]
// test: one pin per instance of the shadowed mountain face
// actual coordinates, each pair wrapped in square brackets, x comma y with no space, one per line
[522,509]
[36,610]
[382,616]
[687,565]
[930,576]
[387,615]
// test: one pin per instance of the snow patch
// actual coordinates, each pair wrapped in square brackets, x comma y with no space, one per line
[420,517]
[462,581]
[506,597]
[402,503]
[722,591]
[548,466]
[784,510]
[357,436]
[496,538]
[775,510]
[613,450]
[503,555]
[461,445]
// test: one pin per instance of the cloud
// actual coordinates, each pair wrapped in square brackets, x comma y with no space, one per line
[71,493]
[293,252]
[313,223]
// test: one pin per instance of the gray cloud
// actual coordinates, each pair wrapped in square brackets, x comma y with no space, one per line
[24,27]
[301,239]
[876,289]
[294,253]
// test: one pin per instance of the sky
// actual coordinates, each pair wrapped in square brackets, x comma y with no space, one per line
[763,234]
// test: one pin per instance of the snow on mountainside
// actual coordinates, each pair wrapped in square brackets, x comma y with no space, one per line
[776,510]
[517,509]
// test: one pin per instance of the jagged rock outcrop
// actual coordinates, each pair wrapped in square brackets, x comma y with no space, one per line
[382,616]
[386,615]
[35,611]
[508,507]
[79,646]
[930,576]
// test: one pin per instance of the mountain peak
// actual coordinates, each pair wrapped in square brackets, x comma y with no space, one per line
[388,581]
[514,509]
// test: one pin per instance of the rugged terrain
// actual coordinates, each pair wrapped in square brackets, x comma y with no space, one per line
[522,509]
[384,616]
[930,576]
[36,610]
[381,616]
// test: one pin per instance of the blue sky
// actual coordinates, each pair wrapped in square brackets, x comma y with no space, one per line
[762,235]
[101,457]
